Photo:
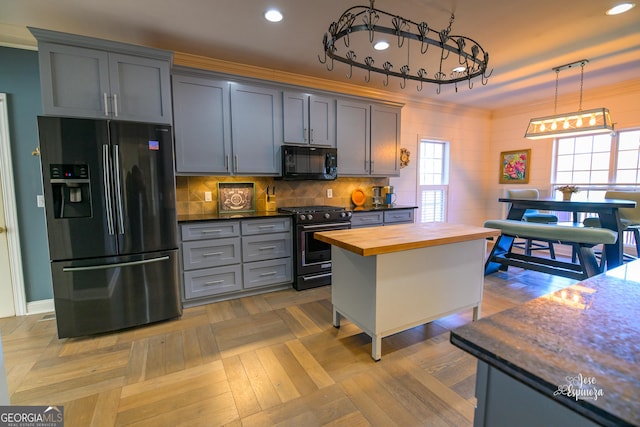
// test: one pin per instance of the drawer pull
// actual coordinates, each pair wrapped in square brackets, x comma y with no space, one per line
[268,273]
[267,248]
[214,282]
[211,231]
[212,253]
[266,226]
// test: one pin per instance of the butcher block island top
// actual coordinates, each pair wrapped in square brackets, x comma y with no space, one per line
[391,278]
[394,238]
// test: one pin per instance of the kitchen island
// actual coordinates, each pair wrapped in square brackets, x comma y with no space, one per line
[567,358]
[392,278]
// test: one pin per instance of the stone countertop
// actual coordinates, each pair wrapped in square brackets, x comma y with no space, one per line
[367,208]
[590,330]
[394,238]
[265,214]
[227,216]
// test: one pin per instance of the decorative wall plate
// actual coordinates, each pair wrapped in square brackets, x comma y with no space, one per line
[236,197]
[404,157]
[358,197]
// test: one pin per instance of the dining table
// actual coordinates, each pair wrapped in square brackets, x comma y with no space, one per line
[608,211]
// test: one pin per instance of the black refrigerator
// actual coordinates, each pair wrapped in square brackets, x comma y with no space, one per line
[109,191]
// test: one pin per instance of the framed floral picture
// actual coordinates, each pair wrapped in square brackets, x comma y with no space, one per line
[514,166]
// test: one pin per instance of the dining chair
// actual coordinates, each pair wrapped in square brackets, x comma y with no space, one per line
[629,217]
[533,215]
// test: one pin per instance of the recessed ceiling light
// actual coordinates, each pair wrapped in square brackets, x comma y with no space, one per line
[381,45]
[620,8]
[273,15]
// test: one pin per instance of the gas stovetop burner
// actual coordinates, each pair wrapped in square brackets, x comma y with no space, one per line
[317,214]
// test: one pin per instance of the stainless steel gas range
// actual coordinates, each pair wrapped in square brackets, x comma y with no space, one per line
[313,257]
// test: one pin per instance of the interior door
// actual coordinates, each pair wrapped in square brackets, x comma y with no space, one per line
[7,308]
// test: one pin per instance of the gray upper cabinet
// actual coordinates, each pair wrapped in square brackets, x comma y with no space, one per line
[368,138]
[385,140]
[256,129]
[93,78]
[309,119]
[202,125]
[353,136]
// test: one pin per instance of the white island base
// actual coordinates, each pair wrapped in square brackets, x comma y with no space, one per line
[387,293]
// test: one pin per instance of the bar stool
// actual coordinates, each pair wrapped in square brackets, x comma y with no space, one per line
[533,215]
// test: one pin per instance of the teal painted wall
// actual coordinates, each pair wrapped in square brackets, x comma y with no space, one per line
[20,80]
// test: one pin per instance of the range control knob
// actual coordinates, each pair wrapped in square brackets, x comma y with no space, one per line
[343,214]
[326,215]
[303,217]
[309,217]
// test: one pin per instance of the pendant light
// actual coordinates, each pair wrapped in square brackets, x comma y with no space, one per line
[581,122]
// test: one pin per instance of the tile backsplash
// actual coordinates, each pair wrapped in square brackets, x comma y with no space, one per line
[190,191]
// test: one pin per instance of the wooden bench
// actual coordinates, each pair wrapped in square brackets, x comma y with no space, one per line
[582,239]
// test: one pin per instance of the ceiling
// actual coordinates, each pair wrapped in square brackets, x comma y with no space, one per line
[525,39]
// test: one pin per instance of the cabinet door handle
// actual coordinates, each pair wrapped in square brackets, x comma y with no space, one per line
[304,134]
[106,104]
[312,136]
[214,282]
[212,253]
[373,164]
[115,104]
[268,273]
[226,162]
[235,160]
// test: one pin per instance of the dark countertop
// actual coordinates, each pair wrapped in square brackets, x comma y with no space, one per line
[546,340]
[265,214]
[225,216]
[366,208]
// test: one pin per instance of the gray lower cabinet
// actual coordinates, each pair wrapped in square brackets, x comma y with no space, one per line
[361,219]
[377,218]
[227,259]
[399,216]
[93,78]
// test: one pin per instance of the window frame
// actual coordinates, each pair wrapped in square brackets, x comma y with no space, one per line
[442,187]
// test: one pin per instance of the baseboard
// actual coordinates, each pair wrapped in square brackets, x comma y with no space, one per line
[41,306]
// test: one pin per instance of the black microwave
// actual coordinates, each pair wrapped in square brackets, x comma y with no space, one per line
[305,162]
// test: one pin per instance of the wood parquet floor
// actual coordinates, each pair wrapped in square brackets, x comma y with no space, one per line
[267,360]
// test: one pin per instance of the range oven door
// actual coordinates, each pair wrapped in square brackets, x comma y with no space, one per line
[313,257]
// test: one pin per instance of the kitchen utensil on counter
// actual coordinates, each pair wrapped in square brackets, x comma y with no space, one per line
[389,196]
[377,198]
[270,200]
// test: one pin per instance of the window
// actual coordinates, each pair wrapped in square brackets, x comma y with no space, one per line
[599,162]
[433,180]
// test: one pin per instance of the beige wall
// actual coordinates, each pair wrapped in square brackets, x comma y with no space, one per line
[509,125]
[468,131]
[477,137]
